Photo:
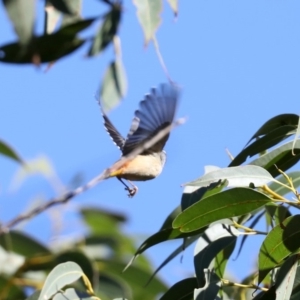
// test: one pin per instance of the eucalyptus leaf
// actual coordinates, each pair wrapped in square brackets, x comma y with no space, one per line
[114,86]
[226,204]
[236,176]
[211,242]
[22,14]
[281,158]
[276,122]
[62,275]
[148,12]
[282,241]
[285,278]
[9,152]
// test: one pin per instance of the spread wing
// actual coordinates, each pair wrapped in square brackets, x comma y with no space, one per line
[113,132]
[157,111]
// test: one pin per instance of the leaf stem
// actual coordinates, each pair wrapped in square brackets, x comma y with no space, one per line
[245,286]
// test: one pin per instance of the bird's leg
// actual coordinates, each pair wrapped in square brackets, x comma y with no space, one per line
[131,190]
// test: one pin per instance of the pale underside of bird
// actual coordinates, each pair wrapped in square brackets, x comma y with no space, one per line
[156,112]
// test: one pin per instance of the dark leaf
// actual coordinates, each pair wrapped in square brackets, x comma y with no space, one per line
[22,244]
[10,291]
[261,144]
[186,243]
[191,195]
[6,150]
[182,290]
[280,158]
[162,236]
[107,31]
[46,48]
[136,277]
[64,6]
[211,288]
[276,122]
[212,241]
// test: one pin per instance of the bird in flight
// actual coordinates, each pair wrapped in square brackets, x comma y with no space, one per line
[156,112]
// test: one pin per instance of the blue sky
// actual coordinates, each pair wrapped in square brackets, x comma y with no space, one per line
[238,63]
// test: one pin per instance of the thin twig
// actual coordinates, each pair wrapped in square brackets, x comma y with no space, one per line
[104,175]
[160,58]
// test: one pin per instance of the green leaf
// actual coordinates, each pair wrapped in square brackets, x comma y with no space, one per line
[276,122]
[74,28]
[99,246]
[59,277]
[170,218]
[21,243]
[280,189]
[159,237]
[277,213]
[186,243]
[282,240]
[280,158]
[135,277]
[212,241]
[235,176]
[261,144]
[192,194]
[107,31]
[82,261]
[102,221]
[297,134]
[174,6]
[182,290]
[10,291]
[227,204]
[46,48]
[22,15]
[8,151]
[111,285]
[34,296]
[148,12]
[114,86]
[221,259]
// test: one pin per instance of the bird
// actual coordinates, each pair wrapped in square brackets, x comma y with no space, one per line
[156,111]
